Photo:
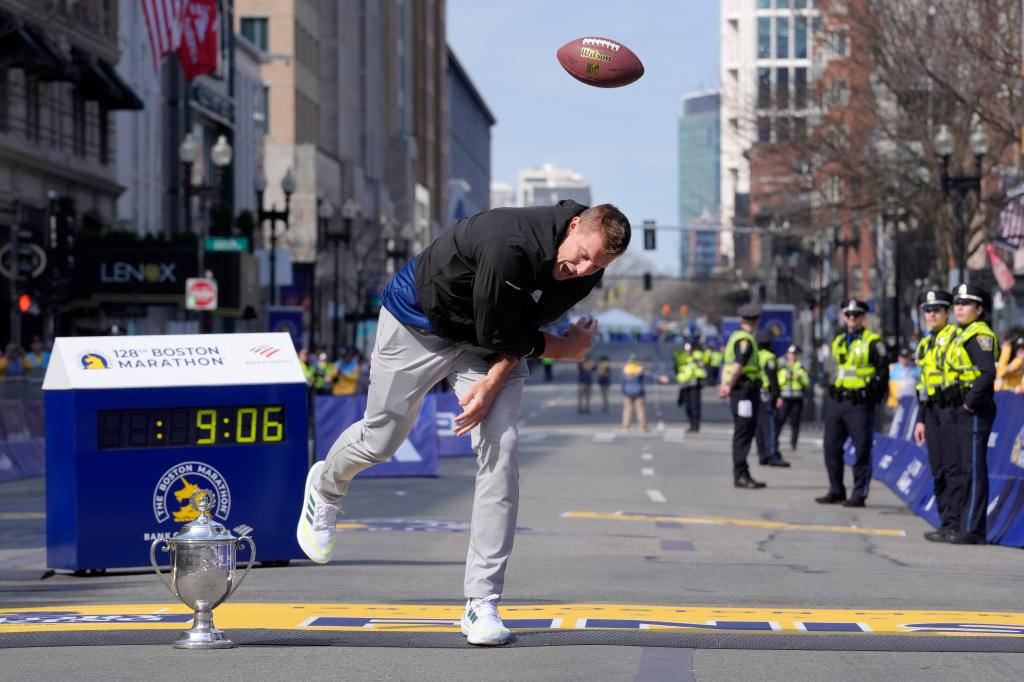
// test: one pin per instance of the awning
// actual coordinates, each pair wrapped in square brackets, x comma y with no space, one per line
[25,47]
[100,82]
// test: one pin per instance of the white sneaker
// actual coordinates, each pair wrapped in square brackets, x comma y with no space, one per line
[317,520]
[481,623]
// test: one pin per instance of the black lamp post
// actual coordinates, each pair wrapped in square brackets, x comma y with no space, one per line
[845,244]
[338,233]
[961,184]
[273,215]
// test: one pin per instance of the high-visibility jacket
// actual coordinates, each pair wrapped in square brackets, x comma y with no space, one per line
[958,362]
[751,370]
[853,365]
[689,371]
[931,358]
[793,380]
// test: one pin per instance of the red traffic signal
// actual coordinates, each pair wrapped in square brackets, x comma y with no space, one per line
[24,303]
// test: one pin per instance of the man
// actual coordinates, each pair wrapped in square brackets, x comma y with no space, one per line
[793,381]
[585,384]
[741,384]
[470,308]
[971,366]
[861,377]
[935,427]
[767,438]
[904,377]
[690,375]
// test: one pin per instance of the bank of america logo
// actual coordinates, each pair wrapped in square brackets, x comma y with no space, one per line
[266,351]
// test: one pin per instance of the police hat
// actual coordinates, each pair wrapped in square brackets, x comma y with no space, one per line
[855,306]
[903,352]
[764,337]
[687,347]
[935,297]
[969,293]
[793,348]
[750,311]
[1019,342]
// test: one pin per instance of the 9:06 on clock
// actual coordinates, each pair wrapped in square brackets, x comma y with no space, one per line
[190,426]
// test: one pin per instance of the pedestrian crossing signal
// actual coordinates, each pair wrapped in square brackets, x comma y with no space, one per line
[27,305]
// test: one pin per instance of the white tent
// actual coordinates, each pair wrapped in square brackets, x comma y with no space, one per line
[617,318]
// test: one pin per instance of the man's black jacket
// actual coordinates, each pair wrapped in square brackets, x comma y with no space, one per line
[488,280]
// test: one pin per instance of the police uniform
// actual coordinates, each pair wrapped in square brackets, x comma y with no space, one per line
[744,396]
[934,413]
[767,440]
[690,375]
[971,362]
[861,372]
[793,381]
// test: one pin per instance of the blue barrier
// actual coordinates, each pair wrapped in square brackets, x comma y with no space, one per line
[451,445]
[902,464]
[417,456]
[22,438]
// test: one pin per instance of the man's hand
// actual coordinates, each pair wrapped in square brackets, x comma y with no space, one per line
[778,403]
[724,390]
[476,403]
[919,433]
[580,337]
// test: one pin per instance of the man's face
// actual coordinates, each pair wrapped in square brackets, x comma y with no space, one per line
[854,321]
[935,316]
[581,253]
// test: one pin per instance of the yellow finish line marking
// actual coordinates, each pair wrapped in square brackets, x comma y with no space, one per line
[744,523]
[557,617]
[21,516]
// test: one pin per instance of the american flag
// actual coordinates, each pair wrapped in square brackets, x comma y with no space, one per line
[1011,223]
[163,22]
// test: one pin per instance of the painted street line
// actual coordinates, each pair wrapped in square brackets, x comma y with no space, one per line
[604,437]
[647,471]
[445,618]
[647,457]
[22,516]
[743,523]
[655,496]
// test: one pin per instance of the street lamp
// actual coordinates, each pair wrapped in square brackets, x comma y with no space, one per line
[845,244]
[273,215]
[961,184]
[187,151]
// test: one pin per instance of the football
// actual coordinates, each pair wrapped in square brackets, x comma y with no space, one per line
[600,62]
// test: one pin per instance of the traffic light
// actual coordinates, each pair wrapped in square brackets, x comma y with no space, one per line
[683,310]
[649,235]
[666,309]
[647,281]
[27,304]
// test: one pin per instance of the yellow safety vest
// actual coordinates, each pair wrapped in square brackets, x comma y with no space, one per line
[958,361]
[931,358]
[766,361]
[854,371]
[751,370]
[793,380]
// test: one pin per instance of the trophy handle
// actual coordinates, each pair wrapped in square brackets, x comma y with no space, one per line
[252,558]
[152,560]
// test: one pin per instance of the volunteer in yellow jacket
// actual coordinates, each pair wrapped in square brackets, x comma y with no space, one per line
[793,381]
[741,384]
[862,375]
[971,363]
[935,426]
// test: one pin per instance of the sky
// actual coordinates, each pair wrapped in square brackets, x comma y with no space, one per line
[623,140]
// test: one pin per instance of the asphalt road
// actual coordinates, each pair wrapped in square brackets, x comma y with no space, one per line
[588,536]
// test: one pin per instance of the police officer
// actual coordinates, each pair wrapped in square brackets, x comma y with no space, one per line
[971,363]
[793,381]
[741,384]
[862,374]
[935,427]
[767,440]
[690,375]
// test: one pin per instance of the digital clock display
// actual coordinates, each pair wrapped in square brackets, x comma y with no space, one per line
[191,426]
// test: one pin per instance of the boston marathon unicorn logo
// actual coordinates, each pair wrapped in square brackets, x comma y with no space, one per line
[94,361]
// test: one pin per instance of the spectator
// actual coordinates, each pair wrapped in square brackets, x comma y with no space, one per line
[604,379]
[586,383]
[325,374]
[633,392]
[1008,374]
[14,363]
[348,371]
[903,378]
[307,368]
[549,369]
[39,357]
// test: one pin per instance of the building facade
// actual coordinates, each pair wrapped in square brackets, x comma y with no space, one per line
[547,184]
[699,183]
[469,144]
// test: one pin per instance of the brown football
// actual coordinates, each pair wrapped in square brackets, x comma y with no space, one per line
[601,62]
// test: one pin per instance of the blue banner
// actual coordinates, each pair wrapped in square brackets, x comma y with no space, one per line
[286,319]
[22,438]
[902,465]
[451,445]
[418,454]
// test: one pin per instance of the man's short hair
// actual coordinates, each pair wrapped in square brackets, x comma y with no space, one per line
[613,223]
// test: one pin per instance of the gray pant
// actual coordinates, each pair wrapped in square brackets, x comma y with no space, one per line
[405,364]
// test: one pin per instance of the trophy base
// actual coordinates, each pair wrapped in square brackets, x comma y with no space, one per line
[203,634]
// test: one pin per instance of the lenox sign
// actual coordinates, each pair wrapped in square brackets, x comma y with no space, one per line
[123,272]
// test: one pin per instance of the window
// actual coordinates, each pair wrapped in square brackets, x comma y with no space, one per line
[104,131]
[838,94]
[78,123]
[800,4]
[837,43]
[33,109]
[764,4]
[799,128]
[4,99]
[800,38]
[782,37]
[764,38]
[833,190]
[255,30]
[764,129]
[800,87]
[783,128]
[764,88]
[782,4]
[782,88]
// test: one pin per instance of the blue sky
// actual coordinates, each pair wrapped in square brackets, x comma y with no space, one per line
[624,140]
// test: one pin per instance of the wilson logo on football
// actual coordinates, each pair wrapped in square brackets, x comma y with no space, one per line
[266,351]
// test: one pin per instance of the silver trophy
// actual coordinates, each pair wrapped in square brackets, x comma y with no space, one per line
[203,572]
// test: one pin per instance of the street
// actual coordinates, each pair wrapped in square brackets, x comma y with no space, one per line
[635,559]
